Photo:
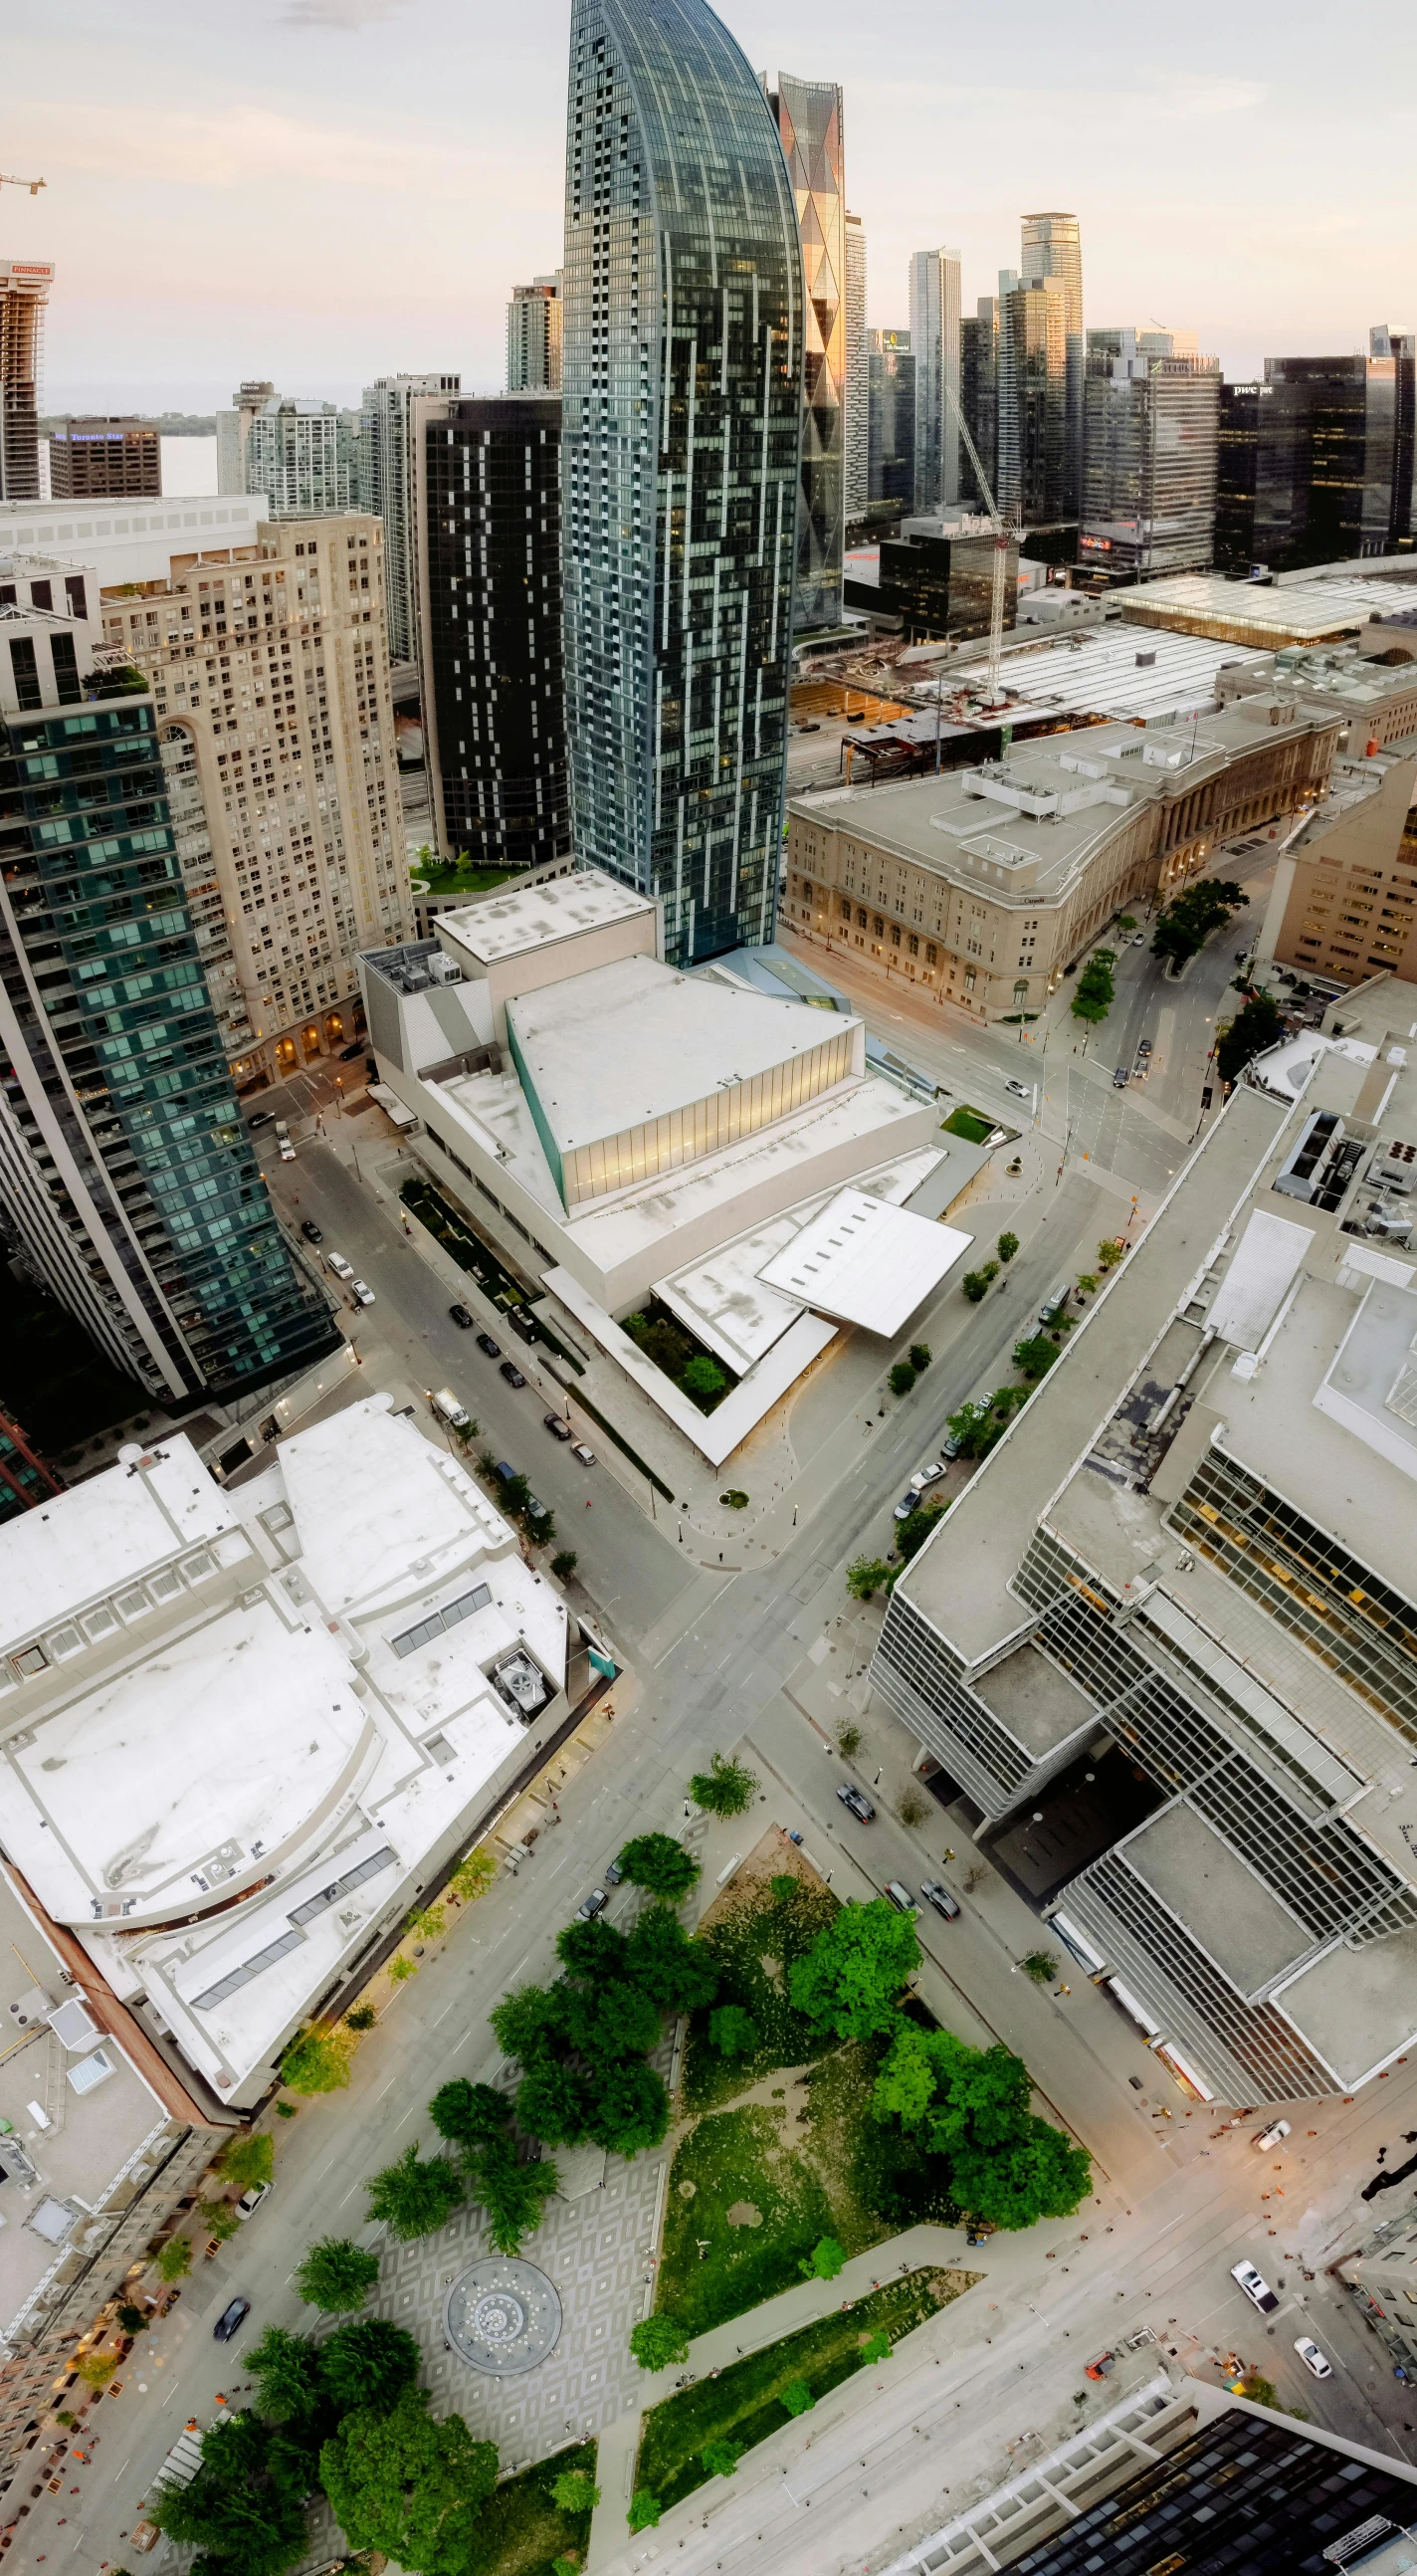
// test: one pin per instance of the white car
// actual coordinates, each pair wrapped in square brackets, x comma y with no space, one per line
[927,1476]
[287,1150]
[364,1293]
[251,2200]
[1020,1090]
[1255,2287]
[1312,2358]
[342,1269]
[579,1450]
[1273,2135]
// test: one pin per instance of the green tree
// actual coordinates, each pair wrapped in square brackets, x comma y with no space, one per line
[244,2509]
[1092,999]
[1007,1246]
[630,2109]
[336,2275]
[849,1739]
[867,1575]
[554,2103]
[644,2510]
[565,2566]
[575,2491]
[472,1877]
[702,1376]
[972,2106]
[785,1888]
[363,2017]
[218,2218]
[1038,2175]
[732,2031]
[902,1378]
[528,2023]
[920,1357]
[414,2195]
[401,1968]
[132,2321]
[594,1951]
[1259,1025]
[659,1863]
[175,2259]
[977,1283]
[1260,2391]
[850,1979]
[1184,926]
[797,2397]
[96,2368]
[911,1534]
[1034,1356]
[247,2162]
[290,2381]
[826,2259]
[611,2021]
[469,2114]
[1087,1283]
[1041,1966]
[317,2061]
[368,2364]
[1110,1252]
[563,1566]
[513,2195]
[412,2488]
[721,2458]
[725,1789]
[658,2341]
[428,1923]
[876,2347]
[678,1974]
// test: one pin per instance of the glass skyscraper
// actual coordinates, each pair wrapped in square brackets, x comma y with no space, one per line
[1052,247]
[681,437]
[934,339]
[809,121]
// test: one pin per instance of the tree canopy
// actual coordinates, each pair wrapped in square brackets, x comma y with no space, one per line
[413,2488]
[529,2023]
[630,2109]
[593,1952]
[1259,1025]
[851,1977]
[368,2364]
[1183,928]
[675,1972]
[415,2195]
[1092,998]
[245,2162]
[289,2373]
[973,2108]
[469,2114]
[514,2195]
[336,2275]
[611,2021]
[732,2031]
[725,1789]
[554,2103]
[659,1863]
[245,2507]
[659,2340]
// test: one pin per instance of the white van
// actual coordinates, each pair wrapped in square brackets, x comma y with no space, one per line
[456,1415]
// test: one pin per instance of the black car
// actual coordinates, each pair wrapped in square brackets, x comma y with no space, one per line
[857,1800]
[262,1118]
[512,1373]
[310,1230]
[230,2318]
[486,1343]
[461,1318]
[557,1428]
[348,1054]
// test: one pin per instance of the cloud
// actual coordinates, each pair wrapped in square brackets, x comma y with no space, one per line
[346,16]
[228,147]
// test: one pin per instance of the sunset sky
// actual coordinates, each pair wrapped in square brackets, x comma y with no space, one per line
[321,191]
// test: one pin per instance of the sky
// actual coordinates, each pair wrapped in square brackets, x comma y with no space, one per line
[322,191]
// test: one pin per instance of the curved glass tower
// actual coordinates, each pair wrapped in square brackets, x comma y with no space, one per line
[681,431]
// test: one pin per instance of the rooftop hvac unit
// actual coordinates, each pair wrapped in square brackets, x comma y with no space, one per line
[1389,1225]
[1396,1165]
[444,969]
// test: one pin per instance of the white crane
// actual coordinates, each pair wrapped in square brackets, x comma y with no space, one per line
[1005,535]
[33,185]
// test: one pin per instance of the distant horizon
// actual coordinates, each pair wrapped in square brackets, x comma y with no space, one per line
[351,188]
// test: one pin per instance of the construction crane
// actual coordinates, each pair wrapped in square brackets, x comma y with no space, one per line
[1005,535]
[33,185]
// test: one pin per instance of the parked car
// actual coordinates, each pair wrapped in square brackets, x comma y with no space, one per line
[1271,2136]
[512,1373]
[1312,2358]
[1139,939]
[461,1318]
[251,2200]
[558,1429]
[1121,1078]
[310,1230]
[937,1894]
[900,1897]
[451,1409]
[501,1468]
[1020,1090]
[927,1476]
[348,1054]
[336,1261]
[857,1800]
[614,1873]
[231,2319]
[908,1503]
[1255,2287]
[361,1289]
[595,1904]
[536,1509]
[486,1343]
[949,1446]
[579,1450]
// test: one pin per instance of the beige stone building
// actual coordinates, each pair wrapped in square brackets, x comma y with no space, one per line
[982,886]
[1344,904]
[270,674]
[1374,691]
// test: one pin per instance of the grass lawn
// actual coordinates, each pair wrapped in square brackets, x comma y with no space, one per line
[744,2404]
[522,2530]
[462,880]
[754,1947]
[970,1124]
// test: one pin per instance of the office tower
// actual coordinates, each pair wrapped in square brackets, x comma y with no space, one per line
[126,1174]
[24,293]
[891,436]
[233,431]
[491,625]
[1401,346]
[1052,247]
[94,460]
[26,1478]
[681,436]
[303,456]
[534,337]
[386,486]
[1237,468]
[934,340]
[979,395]
[1149,473]
[270,680]
[858,379]
[809,121]
[1313,463]
[1032,405]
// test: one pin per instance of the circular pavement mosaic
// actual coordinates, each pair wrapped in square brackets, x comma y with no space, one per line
[502,2315]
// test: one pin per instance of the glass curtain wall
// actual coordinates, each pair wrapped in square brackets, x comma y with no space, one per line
[682,425]
[809,121]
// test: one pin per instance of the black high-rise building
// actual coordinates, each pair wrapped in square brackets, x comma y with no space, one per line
[891,430]
[1238,445]
[1310,467]
[492,633]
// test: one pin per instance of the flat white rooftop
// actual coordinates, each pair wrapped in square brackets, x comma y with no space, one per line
[1288,612]
[507,925]
[104,1534]
[864,1262]
[633,1041]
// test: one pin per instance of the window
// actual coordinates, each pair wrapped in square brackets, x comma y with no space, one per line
[930,953]
[913,945]
[845,910]
[860,920]
[895,934]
